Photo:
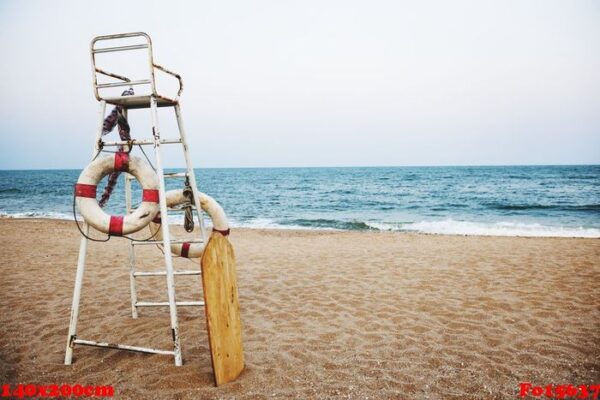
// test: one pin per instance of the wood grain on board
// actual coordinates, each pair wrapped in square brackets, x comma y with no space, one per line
[219,280]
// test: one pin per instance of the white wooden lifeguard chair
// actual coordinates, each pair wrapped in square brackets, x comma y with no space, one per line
[147,97]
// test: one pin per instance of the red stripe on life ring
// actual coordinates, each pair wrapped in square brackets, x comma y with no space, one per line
[150,195]
[115,226]
[84,190]
[224,233]
[121,161]
[185,249]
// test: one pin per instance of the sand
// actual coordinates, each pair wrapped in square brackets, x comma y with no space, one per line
[326,315]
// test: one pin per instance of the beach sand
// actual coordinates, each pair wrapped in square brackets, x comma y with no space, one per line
[326,315]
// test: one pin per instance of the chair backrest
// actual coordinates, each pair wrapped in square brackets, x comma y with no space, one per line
[128,43]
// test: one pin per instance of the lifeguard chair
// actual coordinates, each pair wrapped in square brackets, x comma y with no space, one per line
[107,86]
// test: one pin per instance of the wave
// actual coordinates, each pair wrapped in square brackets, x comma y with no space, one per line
[329,223]
[583,207]
[441,227]
[298,224]
[10,190]
[36,214]
[453,227]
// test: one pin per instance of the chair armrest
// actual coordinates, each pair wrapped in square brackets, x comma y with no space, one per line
[163,69]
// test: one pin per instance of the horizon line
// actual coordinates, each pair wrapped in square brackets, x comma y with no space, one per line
[343,166]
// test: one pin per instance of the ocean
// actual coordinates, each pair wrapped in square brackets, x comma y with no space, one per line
[561,201]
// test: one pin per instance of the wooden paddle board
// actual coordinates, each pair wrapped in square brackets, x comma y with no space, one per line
[219,280]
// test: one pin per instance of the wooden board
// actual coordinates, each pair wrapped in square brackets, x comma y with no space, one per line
[219,280]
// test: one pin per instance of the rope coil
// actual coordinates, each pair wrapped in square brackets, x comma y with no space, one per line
[188,193]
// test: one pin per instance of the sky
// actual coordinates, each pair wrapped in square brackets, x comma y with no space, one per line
[316,83]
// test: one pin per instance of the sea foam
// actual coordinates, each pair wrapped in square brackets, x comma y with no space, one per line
[453,227]
[442,227]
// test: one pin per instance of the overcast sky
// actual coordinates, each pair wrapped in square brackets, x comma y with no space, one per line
[318,83]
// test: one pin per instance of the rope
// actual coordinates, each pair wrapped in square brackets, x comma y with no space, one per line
[108,235]
[116,117]
[79,227]
[145,155]
[188,222]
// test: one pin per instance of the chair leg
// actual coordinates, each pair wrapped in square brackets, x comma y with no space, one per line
[81,259]
[76,297]
[166,237]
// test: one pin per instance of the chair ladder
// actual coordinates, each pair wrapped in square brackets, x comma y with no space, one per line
[134,273]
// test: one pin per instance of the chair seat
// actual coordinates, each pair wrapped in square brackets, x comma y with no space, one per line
[131,102]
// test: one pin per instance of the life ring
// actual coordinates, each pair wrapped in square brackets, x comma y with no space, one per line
[209,205]
[85,192]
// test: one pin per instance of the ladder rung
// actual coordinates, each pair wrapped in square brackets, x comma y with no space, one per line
[177,209]
[164,273]
[146,242]
[166,303]
[166,175]
[121,48]
[143,142]
[171,209]
[122,347]
[119,84]
[175,174]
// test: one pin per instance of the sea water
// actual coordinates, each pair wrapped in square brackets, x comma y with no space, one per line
[487,200]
